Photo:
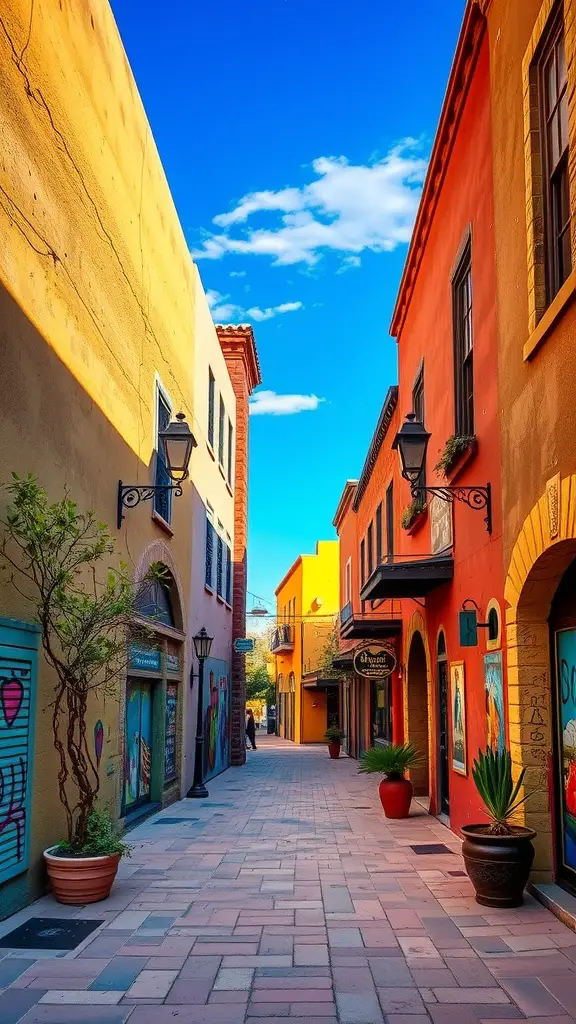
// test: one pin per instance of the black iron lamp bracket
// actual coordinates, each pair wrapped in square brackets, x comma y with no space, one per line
[477,498]
[130,495]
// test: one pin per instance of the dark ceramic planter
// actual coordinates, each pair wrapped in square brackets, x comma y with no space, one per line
[498,866]
[334,749]
[396,797]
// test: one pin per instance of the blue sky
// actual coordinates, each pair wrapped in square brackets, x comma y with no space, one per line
[303,127]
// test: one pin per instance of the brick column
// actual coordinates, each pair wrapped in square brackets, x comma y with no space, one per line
[238,346]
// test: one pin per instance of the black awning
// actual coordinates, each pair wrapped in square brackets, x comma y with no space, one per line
[413,578]
[343,662]
[370,627]
[314,682]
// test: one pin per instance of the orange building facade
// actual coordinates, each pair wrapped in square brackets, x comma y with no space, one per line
[410,567]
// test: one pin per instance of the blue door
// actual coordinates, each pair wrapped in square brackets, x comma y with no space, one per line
[18,668]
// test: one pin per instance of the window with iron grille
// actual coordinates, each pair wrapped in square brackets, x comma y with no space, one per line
[370,549]
[553,106]
[211,401]
[463,345]
[209,564]
[228,574]
[162,499]
[390,520]
[220,566]
[221,419]
[379,534]
[230,451]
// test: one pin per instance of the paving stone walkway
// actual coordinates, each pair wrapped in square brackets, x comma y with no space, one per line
[287,894]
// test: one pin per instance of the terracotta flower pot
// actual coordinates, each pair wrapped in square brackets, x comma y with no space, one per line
[334,749]
[79,880]
[498,866]
[396,797]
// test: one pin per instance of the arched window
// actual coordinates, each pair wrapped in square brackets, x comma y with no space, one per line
[292,682]
[158,599]
[441,645]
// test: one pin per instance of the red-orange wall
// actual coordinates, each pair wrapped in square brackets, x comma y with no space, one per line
[465,201]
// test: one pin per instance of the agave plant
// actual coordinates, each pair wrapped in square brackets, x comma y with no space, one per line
[392,761]
[492,774]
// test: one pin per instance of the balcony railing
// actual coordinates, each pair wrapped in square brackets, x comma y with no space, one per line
[346,613]
[371,623]
[282,638]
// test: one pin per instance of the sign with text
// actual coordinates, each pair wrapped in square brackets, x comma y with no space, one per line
[440,525]
[147,659]
[374,661]
[244,645]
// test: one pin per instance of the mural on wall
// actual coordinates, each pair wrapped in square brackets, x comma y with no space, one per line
[566,667]
[458,701]
[15,725]
[216,717]
[138,743]
[171,716]
[98,741]
[494,694]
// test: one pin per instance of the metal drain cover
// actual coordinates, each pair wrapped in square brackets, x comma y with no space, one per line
[430,848]
[49,933]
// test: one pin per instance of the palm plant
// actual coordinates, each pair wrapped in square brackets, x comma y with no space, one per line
[492,774]
[392,761]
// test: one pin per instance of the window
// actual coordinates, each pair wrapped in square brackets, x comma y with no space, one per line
[418,410]
[220,570]
[230,451]
[553,110]
[390,520]
[209,559]
[370,548]
[463,345]
[381,701]
[228,574]
[221,418]
[379,534]
[348,582]
[162,499]
[362,563]
[211,399]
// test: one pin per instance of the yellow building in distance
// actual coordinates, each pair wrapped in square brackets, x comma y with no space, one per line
[307,601]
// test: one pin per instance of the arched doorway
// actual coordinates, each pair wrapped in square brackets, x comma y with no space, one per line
[443,732]
[417,712]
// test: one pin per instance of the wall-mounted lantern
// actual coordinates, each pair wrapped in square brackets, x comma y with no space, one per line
[177,441]
[411,443]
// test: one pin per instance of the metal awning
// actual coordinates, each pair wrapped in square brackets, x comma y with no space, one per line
[343,661]
[314,682]
[412,578]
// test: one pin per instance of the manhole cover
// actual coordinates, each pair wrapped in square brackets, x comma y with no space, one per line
[457,874]
[49,933]
[430,848]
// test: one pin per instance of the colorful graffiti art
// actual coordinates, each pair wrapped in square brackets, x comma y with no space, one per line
[98,741]
[216,718]
[566,661]
[138,744]
[459,763]
[494,694]
[15,681]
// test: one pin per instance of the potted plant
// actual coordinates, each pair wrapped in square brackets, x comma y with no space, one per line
[455,448]
[392,761]
[334,735]
[85,614]
[412,513]
[498,855]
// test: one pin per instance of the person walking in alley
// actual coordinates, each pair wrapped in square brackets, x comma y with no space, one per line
[251,728]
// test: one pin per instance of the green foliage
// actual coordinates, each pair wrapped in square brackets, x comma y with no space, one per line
[492,774]
[258,684]
[53,554]
[411,512]
[455,447]
[103,837]
[334,735]
[392,761]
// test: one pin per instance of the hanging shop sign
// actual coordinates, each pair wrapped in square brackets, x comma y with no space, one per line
[173,663]
[244,645]
[374,661]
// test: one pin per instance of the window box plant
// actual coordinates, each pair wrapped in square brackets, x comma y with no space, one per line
[498,855]
[392,761]
[456,447]
[413,513]
[334,735]
[85,610]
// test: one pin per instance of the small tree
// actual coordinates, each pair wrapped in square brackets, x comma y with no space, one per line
[53,552]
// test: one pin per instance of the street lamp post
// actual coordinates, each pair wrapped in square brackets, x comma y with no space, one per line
[202,645]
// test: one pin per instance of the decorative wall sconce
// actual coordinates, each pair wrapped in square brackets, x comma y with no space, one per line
[411,442]
[177,441]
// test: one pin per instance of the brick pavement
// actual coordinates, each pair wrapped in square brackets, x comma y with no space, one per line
[287,894]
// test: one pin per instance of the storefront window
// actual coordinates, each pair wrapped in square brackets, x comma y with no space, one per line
[382,709]
[171,706]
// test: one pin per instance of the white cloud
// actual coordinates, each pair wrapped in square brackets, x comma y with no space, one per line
[348,263]
[347,208]
[237,273]
[269,403]
[224,311]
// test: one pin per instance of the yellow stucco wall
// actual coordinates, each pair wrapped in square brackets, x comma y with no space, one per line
[97,301]
[314,581]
